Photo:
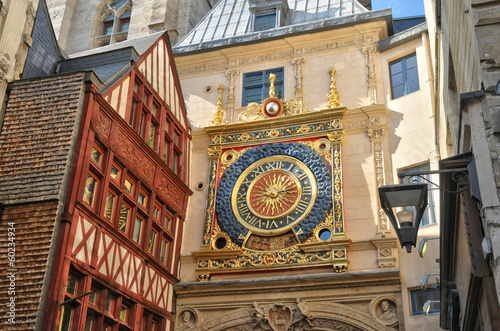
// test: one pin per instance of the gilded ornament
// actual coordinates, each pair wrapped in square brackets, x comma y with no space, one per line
[333,97]
[219,112]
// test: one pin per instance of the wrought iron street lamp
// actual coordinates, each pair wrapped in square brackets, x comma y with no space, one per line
[411,201]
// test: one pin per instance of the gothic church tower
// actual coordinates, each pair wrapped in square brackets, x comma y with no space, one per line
[80,25]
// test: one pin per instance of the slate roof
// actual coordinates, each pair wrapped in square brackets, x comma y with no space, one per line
[34,228]
[38,131]
[109,62]
[405,23]
[141,45]
[229,22]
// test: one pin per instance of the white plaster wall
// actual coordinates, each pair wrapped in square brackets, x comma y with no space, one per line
[412,142]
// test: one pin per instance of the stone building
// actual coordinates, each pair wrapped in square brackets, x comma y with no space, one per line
[465,58]
[94,154]
[347,92]
[16,22]
[80,25]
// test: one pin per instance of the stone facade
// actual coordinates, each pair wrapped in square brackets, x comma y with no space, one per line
[381,136]
[465,57]
[16,22]
[69,16]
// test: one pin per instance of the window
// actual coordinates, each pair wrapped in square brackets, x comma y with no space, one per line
[265,22]
[160,236]
[256,85]
[429,217]
[115,22]
[148,110]
[106,310]
[404,76]
[419,298]
[108,25]
[173,146]
[69,311]
[90,189]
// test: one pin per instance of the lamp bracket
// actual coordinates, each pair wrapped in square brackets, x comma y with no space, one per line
[458,175]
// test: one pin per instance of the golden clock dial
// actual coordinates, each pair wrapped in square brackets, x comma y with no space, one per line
[273,194]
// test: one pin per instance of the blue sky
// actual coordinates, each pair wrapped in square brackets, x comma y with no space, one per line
[401,8]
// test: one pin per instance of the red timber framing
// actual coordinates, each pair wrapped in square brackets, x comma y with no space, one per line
[149,98]
[121,230]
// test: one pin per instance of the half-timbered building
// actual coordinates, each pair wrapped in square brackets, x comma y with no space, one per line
[94,178]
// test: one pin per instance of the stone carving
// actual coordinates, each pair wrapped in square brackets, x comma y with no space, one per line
[280,317]
[4,66]
[387,314]
[298,66]
[232,77]
[187,321]
[369,51]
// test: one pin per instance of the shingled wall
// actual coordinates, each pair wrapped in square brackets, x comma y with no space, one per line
[39,128]
[33,227]
[37,140]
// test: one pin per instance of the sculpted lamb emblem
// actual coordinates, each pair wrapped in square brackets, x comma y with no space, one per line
[280,318]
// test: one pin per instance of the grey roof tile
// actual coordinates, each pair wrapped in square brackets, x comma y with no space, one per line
[231,18]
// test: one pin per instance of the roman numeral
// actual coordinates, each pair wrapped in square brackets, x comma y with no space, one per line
[275,165]
[240,197]
[244,210]
[254,221]
[307,190]
[301,207]
[246,181]
[302,176]
[257,171]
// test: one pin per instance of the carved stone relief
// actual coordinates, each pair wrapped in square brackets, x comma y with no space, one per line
[369,51]
[290,316]
[232,77]
[298,67]
[187,320]
[4,66]
[384,310]
[375,135]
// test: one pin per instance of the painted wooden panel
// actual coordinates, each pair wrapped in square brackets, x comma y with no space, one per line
[84,240]
[118,263]
[122,108]
[157,289]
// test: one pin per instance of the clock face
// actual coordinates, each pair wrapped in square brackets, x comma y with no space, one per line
[273,194]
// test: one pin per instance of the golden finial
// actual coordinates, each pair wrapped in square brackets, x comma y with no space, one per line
[272,78]
[219,112]
[333,97]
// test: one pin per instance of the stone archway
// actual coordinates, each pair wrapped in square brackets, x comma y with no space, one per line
[299,316]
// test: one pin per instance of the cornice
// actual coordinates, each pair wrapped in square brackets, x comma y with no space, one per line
[289,284]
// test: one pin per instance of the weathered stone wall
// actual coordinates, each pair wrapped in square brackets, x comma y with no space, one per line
[77,22]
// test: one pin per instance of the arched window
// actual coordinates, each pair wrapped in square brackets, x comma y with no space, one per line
[112,22]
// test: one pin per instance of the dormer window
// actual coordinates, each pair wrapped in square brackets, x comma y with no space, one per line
[265,22]
[266,15]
